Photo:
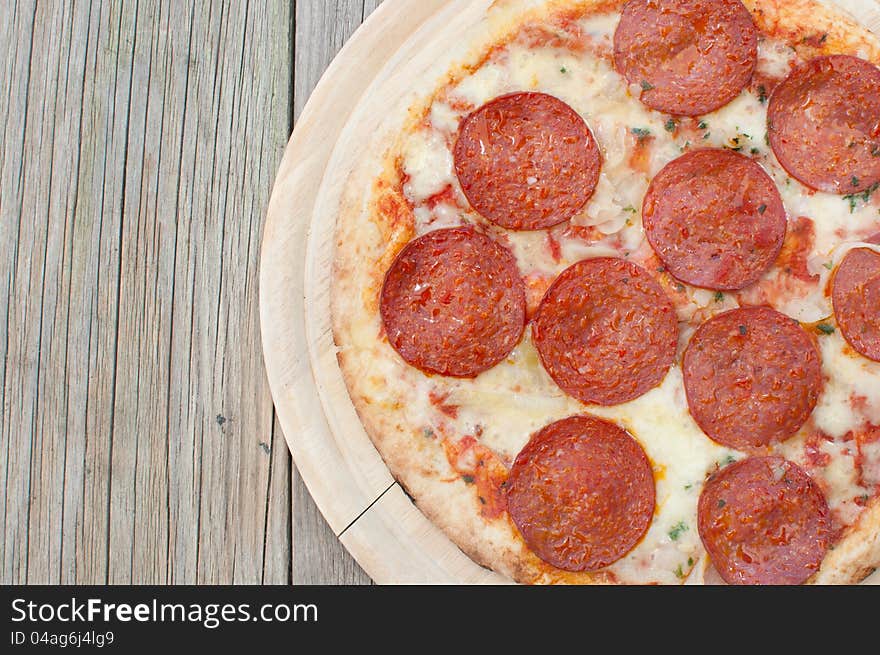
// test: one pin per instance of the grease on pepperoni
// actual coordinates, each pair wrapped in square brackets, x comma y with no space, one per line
[690,57]
[752,377]
[605,331]
[581,493]
[453,302]
[715,219]
[855,294]
[823,122]
[764,521]
[526,161]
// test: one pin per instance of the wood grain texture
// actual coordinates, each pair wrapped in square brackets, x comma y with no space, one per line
[138,146]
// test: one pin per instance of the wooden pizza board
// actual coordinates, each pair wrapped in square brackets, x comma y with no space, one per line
[375,520]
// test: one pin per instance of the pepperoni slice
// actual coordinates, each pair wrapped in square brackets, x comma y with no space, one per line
[690,57]
[453,302]
[752,377]
[855,294]
[605,331]
[526,161]
[824,124]
[715,219]
[764,521]
[581,493]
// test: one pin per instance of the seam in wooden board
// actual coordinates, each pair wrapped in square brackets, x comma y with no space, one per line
[366,509]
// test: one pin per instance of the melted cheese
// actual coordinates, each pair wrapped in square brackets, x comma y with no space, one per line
[508,403]
[428,162]
[775,59]
[847,374]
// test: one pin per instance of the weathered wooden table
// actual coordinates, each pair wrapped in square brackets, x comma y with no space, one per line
[138,147]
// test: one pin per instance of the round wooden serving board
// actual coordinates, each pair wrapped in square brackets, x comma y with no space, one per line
[376,70]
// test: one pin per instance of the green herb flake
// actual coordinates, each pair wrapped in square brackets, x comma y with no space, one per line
[706,135]
[679,573]
[828,265]
[767,138]
[688,486]
[670,125]
[824,37]
[824,328]
[721,503]
[703,125]
[729,459]
[641,132]
[690,561]
[630,209]
[762,209]
[719,296]
[646,86]
[875,150]
[679,287]
[853,201]
[762,94]
[468,479]
[855,181]
[629,222]
[755,151]
[563,70]
[428,432]
[677,530]
[743,330]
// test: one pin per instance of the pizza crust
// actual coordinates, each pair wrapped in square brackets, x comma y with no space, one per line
[856,555]
[375,221]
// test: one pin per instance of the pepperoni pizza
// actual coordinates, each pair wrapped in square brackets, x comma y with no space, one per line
[607,300]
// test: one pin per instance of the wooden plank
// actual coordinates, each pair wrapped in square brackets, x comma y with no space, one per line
[96,224]
[278,534]
[138,148]
[321,30]
[93,267]
[139,492]
[57,451]
[54,313]
[192,264]
[23,275]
